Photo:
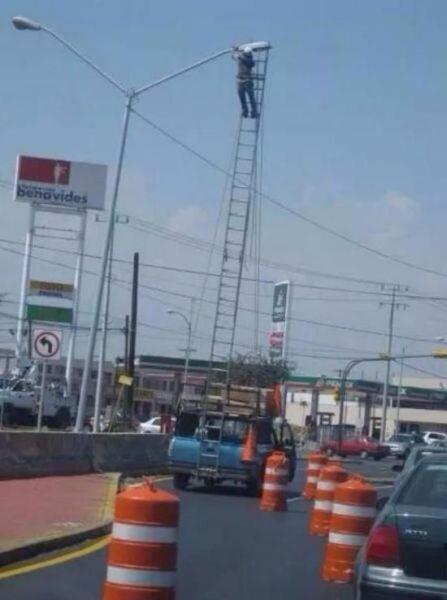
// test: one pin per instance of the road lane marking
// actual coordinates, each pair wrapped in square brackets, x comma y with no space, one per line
[7,572]
[294,499]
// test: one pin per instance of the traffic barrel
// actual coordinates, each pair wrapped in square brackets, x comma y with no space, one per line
[142,558]
[316,460]
[320,517]
[353,514]
[274,487]
[250,449]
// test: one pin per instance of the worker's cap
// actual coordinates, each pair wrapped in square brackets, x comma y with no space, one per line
[247,50]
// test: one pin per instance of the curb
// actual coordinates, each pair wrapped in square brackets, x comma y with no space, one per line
[57,543]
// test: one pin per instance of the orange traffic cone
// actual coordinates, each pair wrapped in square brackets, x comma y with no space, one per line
[353,513]
[143,549]
[316,461]
[320,518]
[250,449]
[275,483]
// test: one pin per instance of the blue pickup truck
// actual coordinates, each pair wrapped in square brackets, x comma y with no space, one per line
[208,446]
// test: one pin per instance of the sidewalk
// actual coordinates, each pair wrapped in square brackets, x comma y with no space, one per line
[46,513]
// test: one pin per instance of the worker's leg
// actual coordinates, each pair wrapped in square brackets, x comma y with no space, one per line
[251,96]
[242,98]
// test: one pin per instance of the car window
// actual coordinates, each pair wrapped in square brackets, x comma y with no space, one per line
[156,421]
[427,487]
[234,430]
[436,436]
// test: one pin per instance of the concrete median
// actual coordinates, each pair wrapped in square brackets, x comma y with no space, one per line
[30,454]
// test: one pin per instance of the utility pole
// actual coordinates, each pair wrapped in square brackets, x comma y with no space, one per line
[394,305]
[133,334]
[126,344]
[399,391]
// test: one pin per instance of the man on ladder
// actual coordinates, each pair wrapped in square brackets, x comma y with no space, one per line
[245,64]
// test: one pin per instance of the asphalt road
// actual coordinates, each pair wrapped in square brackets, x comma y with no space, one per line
[228,550]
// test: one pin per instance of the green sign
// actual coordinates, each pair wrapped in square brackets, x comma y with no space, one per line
[50,314]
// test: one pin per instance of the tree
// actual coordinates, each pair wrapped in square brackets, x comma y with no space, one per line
[257,371]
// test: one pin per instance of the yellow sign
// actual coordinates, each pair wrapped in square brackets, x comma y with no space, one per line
[51,289]
[439,353]
[125,380]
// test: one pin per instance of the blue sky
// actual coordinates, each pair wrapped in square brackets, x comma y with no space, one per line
[355,132]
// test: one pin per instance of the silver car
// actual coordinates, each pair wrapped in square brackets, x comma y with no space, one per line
[405,556]
[400,444]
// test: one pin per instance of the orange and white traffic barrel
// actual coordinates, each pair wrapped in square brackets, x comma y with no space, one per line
[316,460]
[142,555]
[274,487]
[353,514]
[330,477]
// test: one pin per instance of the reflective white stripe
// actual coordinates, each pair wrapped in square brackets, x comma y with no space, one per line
[144,533]
[326,485]
[271,471]
[141,577]
[274,486]
[325,505]
[354,511]
[346,539]
[314,466]
[312,479]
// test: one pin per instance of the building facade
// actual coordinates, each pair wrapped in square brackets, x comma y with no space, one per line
[313,400]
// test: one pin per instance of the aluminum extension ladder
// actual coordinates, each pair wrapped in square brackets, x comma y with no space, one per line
[235,241]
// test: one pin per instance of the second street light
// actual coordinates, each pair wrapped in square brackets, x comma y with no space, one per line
[438,353]
[130,94]
[188,348]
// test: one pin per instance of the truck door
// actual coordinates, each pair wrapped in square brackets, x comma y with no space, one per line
[286,441]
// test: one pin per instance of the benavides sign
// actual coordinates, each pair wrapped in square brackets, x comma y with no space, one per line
[58,182]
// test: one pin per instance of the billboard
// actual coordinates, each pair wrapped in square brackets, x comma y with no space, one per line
[278,330]
[50,289]
[49,314]
[57,182]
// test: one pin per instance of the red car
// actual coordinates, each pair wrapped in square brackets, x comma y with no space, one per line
[359,446]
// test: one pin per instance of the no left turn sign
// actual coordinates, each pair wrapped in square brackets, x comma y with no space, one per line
[47,343]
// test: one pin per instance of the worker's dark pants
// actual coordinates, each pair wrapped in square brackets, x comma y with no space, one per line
[244,89]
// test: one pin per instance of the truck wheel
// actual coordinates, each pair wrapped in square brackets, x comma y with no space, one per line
[9,416]
[62,418]
[181,481]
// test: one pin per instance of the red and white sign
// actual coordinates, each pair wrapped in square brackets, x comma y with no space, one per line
[60,182]
[47,344]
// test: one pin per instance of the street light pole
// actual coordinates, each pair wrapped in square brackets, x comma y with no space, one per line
[188,343]
[353,363]
[23,23]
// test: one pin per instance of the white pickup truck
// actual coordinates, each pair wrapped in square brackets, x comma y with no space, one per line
[19,404]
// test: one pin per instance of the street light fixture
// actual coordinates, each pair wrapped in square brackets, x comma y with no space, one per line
[23,23]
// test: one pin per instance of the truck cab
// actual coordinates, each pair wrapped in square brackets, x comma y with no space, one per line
[207,446]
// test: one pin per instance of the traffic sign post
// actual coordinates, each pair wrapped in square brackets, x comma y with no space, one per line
[47,344]
[42,396]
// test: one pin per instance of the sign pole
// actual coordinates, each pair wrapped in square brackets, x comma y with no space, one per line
[24,284]
[42,395]
[76,302]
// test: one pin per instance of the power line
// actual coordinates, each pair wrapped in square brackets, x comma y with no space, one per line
[117,281]
[291,210]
